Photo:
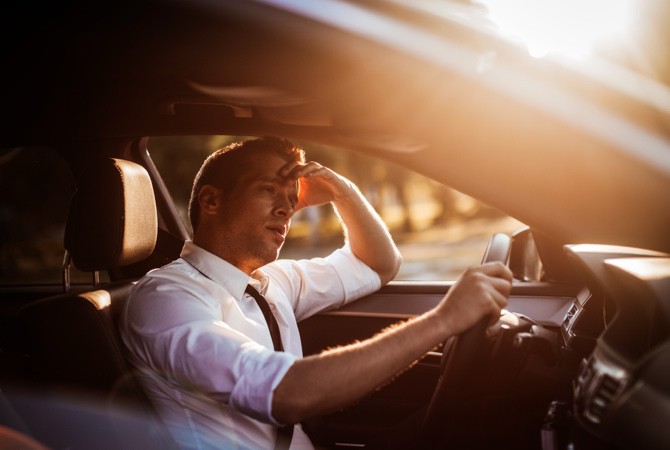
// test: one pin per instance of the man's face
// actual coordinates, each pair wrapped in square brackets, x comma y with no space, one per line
[256,215]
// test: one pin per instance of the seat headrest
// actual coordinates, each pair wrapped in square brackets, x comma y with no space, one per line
[112,220]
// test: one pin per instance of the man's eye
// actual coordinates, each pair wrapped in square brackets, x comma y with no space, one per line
[269,188]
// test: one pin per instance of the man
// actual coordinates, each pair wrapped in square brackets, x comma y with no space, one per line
[199,335]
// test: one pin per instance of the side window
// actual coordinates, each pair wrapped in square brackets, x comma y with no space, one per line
[36,186]
[439,231]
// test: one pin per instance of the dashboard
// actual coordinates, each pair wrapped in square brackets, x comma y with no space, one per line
[622,391]
[597,350]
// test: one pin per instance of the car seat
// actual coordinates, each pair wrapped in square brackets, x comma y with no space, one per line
[84,393]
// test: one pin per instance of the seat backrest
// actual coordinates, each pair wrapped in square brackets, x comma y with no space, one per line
[74,345]
[112,220]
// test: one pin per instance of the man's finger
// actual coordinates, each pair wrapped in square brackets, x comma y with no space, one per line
[296,172]
[496,269]
[304,170]
[287,168]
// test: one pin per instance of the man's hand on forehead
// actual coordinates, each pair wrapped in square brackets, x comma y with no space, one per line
[318,185]
[295,170]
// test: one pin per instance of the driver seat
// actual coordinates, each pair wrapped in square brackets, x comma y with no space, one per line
[89,394]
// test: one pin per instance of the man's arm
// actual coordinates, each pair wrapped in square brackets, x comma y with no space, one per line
[327,382]
[368,236]
[365,231]
[324,383]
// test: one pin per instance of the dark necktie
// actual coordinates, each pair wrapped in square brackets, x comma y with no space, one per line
[284,434]
[269,317]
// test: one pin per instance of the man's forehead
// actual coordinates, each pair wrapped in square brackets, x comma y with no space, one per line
[270,171]
[279,179]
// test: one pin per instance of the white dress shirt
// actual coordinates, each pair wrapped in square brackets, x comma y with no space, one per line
[204,351]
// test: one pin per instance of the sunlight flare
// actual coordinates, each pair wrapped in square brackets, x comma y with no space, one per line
[568,27]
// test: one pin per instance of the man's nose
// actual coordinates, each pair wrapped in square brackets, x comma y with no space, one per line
[284,206]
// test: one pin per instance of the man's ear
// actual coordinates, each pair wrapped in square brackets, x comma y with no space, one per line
[210,199]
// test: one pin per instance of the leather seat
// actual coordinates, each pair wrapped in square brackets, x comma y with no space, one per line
[77,360]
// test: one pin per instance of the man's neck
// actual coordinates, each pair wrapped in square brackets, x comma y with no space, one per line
[204,241]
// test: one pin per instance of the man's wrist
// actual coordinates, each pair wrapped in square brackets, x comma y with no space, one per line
[441,322]
[350,192]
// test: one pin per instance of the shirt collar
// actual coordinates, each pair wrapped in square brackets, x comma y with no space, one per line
[259,280]
[219,270]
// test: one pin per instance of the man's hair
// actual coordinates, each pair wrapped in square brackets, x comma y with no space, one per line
[225,166]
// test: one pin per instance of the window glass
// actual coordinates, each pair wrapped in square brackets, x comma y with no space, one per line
[439,231]
[36,187]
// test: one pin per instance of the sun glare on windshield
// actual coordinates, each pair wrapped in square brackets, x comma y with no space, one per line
[568,27]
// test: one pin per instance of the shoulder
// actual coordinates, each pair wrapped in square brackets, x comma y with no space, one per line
[171,294]
[175,275]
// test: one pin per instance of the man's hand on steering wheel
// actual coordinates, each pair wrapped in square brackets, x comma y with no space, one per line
[481,292]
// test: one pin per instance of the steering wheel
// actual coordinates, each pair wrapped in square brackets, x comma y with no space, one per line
[461,359]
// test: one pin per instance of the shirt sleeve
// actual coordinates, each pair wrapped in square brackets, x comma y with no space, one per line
[318,284]
[178,335]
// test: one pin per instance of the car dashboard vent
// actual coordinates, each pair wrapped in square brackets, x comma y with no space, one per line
[604,394]
[568,322]
[598,386]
